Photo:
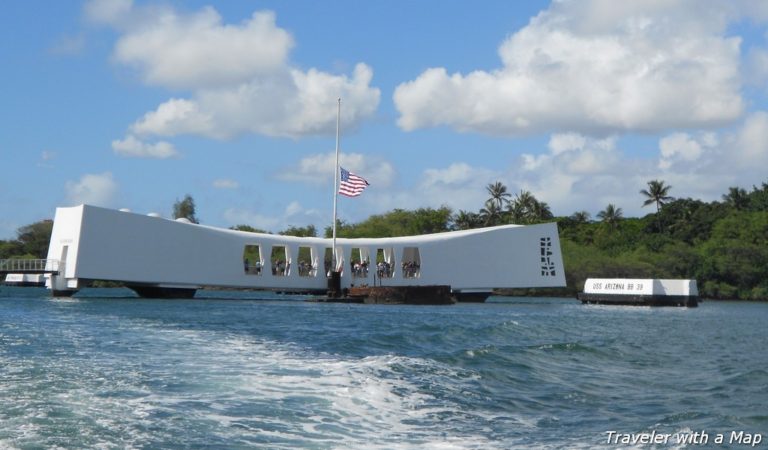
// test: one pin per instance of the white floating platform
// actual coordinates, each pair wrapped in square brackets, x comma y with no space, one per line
[643,292]
[25,279]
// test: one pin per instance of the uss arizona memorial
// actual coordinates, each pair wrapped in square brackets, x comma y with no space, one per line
[162,257]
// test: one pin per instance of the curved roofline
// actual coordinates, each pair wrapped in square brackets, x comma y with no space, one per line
[431,237]
[420,238]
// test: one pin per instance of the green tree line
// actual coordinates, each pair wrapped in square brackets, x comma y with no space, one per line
[722,244]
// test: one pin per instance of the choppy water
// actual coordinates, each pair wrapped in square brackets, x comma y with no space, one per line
[257,370]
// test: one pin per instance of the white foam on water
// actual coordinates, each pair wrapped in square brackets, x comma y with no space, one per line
[298,396]
[329,399]
[198,387]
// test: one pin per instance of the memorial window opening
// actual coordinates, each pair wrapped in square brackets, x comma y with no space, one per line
[307,262]
[385,262]
[359,262]
[411,262]
[281,261]
[252,262]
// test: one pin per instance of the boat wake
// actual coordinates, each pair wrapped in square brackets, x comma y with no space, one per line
[181,388]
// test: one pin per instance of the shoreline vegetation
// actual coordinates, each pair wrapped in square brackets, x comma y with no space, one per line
[721,244]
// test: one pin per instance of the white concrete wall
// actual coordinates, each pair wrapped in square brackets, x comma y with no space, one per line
[107,244]
[64,246]
[676,287]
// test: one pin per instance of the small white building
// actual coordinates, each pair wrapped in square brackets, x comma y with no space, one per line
[633,291]
[25,279]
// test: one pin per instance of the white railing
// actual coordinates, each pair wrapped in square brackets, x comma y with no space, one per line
[31,265]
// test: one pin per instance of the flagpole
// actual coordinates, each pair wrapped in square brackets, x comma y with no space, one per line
[336,187]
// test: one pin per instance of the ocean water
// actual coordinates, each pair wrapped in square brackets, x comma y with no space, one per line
[241,370]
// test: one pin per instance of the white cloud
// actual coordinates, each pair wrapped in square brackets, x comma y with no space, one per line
[92,189]
[582,173]
[458,186]
[132,147]
[198,50]
[575,168]
[457,175]
[294,214]
[224,183]
[756,67]
[593,66]
[289,104]
[176,116]
[680,147]
[238,75]
[319,169]
[256,220]
[577,172]
[750,148]
[576,153]
[294,208]
[564,142]
[107,11]
[707,164]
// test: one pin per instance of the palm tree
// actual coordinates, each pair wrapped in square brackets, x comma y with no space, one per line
[656,193]
[580,217]
[682,213]
[611,215]
[525,199]
[541,211]
[516,212]
[490,215]
[465,220]
[498,193]
[523,208]
[736,198]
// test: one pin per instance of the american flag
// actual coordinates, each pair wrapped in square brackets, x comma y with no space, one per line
[351,185]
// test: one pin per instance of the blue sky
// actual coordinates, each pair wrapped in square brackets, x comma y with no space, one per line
[133,104]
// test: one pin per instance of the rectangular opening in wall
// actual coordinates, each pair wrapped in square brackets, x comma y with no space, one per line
[411,262]
[281,261]
[329,260]
[252,261]
[307,262]
[385,262]
[359,262]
